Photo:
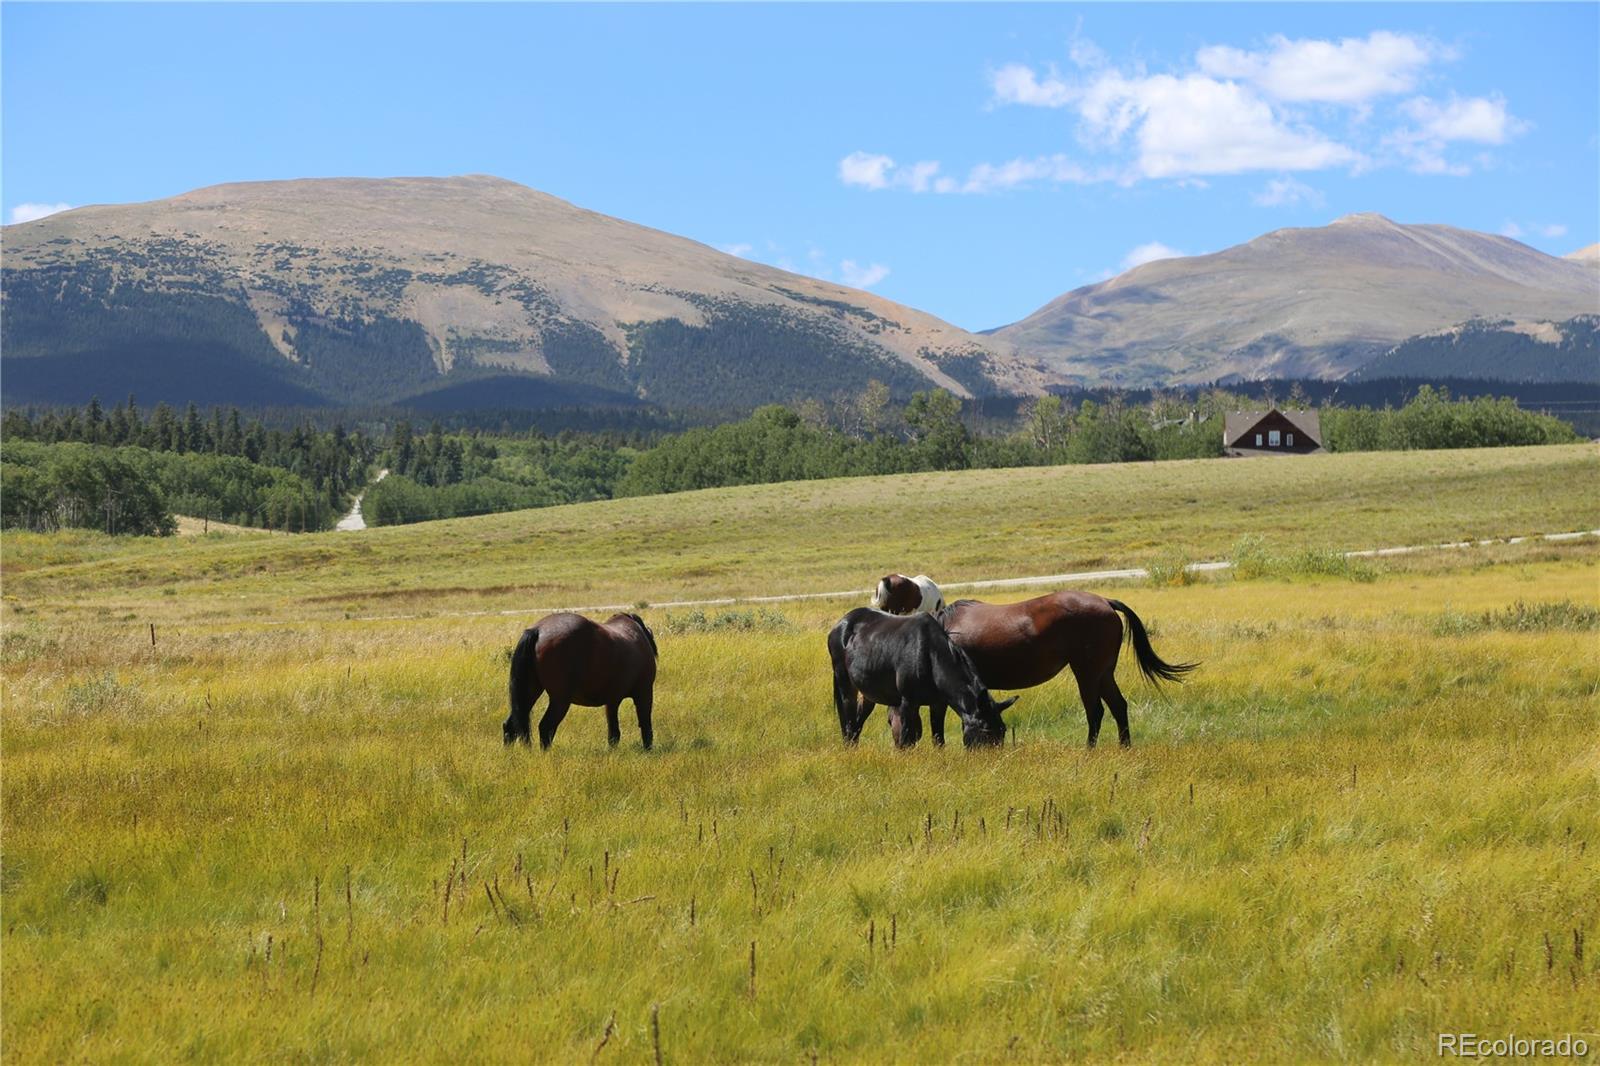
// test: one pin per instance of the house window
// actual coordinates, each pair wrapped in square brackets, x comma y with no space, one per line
[1258,440]
[1272,438]
[1289,439]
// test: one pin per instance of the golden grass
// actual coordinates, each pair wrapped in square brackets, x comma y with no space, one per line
[1386,823]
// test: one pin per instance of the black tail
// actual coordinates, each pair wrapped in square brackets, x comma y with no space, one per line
[1154,668]
[844,694]
[524,674]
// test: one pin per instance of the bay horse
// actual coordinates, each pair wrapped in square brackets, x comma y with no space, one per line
[1020,645]
[907,663]
[899,594]
[592,664]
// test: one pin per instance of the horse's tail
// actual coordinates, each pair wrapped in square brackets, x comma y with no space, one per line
[1154,668]
[524,673]
[844,696]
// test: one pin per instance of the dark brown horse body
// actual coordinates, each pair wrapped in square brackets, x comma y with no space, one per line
[1020,645]
[591,664]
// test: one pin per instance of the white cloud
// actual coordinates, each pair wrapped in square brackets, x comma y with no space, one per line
[1017,84]
[1512,230]
[918,177]
[1553,230]
[1149,253]
[1352,70]
[1196,125]
[1288,192]
[31,212]
[881,172]
[862,168]
[862,277]
[1481,119]
[1229,111]
[1084,53]
[741,250]
[1055,169]
[1477,119]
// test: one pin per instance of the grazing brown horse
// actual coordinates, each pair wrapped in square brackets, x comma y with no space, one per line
[1020,645]
[591,664]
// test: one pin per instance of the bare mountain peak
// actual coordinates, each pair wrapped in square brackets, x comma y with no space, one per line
[1298,302]
[1590,254]
[1364,218]
[477,272]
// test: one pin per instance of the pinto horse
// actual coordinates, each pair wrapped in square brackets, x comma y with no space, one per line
[1020,645]
[592,664]
[899,594]
[907,663]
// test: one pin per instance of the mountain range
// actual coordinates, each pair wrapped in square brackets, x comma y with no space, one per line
[363,291]
[1298,303]
[475,292]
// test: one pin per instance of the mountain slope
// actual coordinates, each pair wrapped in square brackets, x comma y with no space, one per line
[1296,303]
[357,290]
[1545,352]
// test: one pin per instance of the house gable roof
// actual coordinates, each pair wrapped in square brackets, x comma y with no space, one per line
[1236,425]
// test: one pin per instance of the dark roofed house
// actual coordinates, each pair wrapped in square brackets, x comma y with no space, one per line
[1271,432]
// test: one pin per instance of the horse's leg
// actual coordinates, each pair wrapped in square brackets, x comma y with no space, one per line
[1089,693]
[867,707]
[1119,706]
[849,707]
[551,721]
[905,722]
[936,722]
[642,704]
[613,726]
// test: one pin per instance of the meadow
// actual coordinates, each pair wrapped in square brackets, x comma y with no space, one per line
[287,829]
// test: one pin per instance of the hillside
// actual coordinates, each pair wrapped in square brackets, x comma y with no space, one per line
[1297,303]
[1504,351]
[358,291]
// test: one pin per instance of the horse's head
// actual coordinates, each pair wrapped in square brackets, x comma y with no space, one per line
[986,728]
[981,723]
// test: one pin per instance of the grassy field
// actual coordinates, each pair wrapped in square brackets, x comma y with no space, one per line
[289,831]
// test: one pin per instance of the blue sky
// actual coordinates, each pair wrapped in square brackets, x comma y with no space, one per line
[973,161]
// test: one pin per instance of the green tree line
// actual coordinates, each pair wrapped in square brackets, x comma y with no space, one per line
[300,478]
[333,461]
[440,475]
[131,489]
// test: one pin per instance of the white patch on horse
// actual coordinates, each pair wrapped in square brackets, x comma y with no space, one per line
[932,598]
[880,597]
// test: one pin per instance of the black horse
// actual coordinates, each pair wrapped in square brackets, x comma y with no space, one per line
[592,664]
[908,663]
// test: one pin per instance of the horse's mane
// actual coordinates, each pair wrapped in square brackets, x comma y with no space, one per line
[963,660]
[952,606]
[651,637]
